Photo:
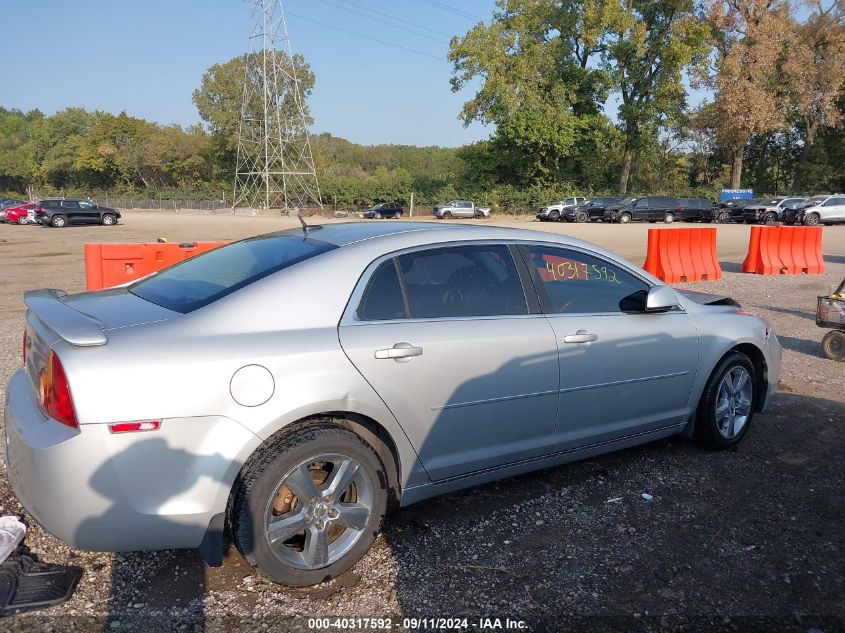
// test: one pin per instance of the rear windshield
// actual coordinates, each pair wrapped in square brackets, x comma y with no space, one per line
[201,280]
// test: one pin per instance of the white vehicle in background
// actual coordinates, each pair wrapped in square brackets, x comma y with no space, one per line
[823,209]
[460,209]
[553,212]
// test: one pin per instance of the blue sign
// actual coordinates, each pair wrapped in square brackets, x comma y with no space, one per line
[736,194]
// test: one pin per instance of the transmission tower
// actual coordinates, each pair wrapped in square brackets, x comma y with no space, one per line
[275,165]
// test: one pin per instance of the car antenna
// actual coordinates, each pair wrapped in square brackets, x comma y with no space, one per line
[306,227]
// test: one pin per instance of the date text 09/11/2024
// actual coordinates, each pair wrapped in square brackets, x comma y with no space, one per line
[414,624]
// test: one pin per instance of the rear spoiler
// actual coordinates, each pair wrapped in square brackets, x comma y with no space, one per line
[74,327]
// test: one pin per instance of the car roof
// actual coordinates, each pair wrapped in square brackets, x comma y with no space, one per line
[347,233]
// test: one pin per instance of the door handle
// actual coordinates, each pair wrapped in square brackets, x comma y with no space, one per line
[400,352]
[581,336]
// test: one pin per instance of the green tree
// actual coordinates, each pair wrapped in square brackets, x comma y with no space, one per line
[220,96]
[649,47]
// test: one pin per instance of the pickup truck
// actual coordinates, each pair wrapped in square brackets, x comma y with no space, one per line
[553,212]
[460,209]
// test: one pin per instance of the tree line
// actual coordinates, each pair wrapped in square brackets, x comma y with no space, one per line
[585,96]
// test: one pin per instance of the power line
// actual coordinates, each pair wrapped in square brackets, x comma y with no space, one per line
[393,17]
[395,26]
[366,37]
[450,9]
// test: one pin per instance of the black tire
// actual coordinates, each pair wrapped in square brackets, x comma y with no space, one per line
[22,220]
[447,215]
[624,218]
[811,219]
[108,219]
[377,215]
[833,345]
[582,216]
[397,216]
[706,429]
[58,221]
[724,218]
[669,218]
[260,478]
[554,216]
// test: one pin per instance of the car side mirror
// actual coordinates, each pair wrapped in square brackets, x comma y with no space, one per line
[660,299]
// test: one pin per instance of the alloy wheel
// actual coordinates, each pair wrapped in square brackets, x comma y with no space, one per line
[733,403]
[319,511]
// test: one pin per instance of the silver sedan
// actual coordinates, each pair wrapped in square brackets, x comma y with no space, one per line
[287,388]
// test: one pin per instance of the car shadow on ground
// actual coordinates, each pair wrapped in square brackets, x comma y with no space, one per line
[803,346]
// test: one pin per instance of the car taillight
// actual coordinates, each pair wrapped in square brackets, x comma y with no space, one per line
[54,393]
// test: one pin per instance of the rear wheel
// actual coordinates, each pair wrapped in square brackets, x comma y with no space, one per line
[58,221]
[310,505]
[581,216]
[22,220]
[669,218]
[727,404]
[833,345]
[624,218]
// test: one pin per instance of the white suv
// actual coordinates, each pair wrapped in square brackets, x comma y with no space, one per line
[553,212]
[824,209]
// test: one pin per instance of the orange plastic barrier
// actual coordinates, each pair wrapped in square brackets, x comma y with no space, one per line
[678,255]
[784,250]
[108,265]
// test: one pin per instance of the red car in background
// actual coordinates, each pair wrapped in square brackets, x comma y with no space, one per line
[22,214]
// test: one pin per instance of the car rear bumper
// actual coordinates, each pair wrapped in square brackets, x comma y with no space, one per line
[121,492]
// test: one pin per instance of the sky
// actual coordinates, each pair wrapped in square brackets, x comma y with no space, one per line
[146,57]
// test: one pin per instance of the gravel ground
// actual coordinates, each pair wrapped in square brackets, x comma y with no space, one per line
[742,540]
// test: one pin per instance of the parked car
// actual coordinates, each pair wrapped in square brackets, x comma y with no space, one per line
[554,212]
[646,209]
[589,211]
[412,351]
[384,210]
[612,210]
[731,211]
[21,214]
[694,209]
[823,209]
[62,212]
[6,203]
[769,209]
[460,209]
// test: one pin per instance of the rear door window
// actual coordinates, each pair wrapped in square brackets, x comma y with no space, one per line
[462,281]
[383,299]
[203,279]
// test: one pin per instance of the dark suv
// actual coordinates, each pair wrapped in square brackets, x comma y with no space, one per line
[590,211]
[64,211]
[647,209]
[384,210]
[694,209]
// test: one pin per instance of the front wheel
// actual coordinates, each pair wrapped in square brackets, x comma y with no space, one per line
[581,216]
[669,218]
[377,216]
[109,219]
[811,219]
[625,218]
[727,404]
[310,505]
[447,215]
[833,345]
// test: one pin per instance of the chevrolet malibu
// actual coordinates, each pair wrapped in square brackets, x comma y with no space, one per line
[288,388]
